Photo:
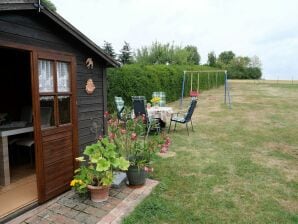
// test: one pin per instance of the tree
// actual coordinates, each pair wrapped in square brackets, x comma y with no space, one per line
[159,53]
[255,62]
[193,55]
[125,56]
[226,57]
[49,5]
[211,59]
[107,47]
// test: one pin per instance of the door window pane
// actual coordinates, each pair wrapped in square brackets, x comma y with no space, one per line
[46,78]
[64,109]
[47,111]
[63,79]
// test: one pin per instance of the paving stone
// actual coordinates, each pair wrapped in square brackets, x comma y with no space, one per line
[113,192]
[121,195]
[45,214]
[114,201]
[57,218]
[80,207]
[34,220]
[107,219]
[126,190]
[45,221]
[67,202]
[86,218]
[108,207]
[70,208]
[71,213]
[94,204]
[96,212]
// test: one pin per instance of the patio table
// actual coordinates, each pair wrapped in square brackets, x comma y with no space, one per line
[160,112]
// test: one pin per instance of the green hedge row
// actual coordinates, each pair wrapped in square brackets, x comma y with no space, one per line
[142,80]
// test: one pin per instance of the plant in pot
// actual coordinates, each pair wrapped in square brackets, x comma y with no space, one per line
[134,146]
[96,171]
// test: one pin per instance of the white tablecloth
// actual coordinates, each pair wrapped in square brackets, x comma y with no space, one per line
[163,113]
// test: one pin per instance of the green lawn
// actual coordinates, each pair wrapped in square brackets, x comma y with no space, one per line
[239,166]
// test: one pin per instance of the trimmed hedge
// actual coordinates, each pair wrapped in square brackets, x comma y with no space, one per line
[143,80]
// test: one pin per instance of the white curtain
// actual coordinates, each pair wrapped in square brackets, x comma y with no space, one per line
[46,81]
[63,78]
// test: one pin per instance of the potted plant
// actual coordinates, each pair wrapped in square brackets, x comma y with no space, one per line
[96,171]
[134,146]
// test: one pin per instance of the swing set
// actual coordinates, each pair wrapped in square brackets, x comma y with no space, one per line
[195,93]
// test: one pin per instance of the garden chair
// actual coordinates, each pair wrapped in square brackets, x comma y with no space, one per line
[184,119]
[162,96]
[119,102]
[28,142]
[122,113]
[139,107]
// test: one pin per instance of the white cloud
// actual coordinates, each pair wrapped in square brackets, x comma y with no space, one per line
[268,28]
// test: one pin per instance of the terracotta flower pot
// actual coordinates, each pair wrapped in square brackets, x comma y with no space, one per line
[99,193]
[136,176]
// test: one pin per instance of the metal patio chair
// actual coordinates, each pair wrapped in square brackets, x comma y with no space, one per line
[175,117]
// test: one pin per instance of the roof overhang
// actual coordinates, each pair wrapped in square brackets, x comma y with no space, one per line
[16,5]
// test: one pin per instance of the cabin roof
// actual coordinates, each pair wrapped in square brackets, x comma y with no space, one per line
[18,5]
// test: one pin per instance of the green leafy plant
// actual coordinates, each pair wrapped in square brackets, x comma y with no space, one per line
[130,140]
[97,169]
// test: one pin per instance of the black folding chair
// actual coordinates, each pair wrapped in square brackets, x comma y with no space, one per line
[139,107]
[184,119]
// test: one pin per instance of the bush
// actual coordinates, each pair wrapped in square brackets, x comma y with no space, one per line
[142,80]
[237,72]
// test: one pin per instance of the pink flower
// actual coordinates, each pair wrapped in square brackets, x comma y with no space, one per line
[100,137]
[133,136]
[112,136]
[106,114]
[123,131]
[164,149]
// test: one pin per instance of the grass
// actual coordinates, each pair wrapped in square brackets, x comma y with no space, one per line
[239,166]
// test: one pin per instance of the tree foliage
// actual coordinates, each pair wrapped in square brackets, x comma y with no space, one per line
[211,59]
[108,48]
[159,53]
[226,57]
[193,56]
[49,5]
[126,55]
[240,67]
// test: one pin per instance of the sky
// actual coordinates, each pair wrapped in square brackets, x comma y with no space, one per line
[264,28]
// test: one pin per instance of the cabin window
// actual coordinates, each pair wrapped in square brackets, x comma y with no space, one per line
[46,78]
[55,92]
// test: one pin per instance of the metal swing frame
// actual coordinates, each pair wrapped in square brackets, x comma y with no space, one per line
[196,94]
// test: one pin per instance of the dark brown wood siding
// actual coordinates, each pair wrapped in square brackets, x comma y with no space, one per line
[35,29]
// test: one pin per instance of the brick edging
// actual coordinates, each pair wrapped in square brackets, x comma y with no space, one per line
[129,203]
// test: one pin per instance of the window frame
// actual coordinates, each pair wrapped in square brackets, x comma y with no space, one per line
[55,93]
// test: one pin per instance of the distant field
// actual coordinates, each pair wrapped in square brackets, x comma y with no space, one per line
[264,81]
[239,166]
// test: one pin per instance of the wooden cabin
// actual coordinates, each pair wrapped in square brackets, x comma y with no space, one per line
[47,115]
